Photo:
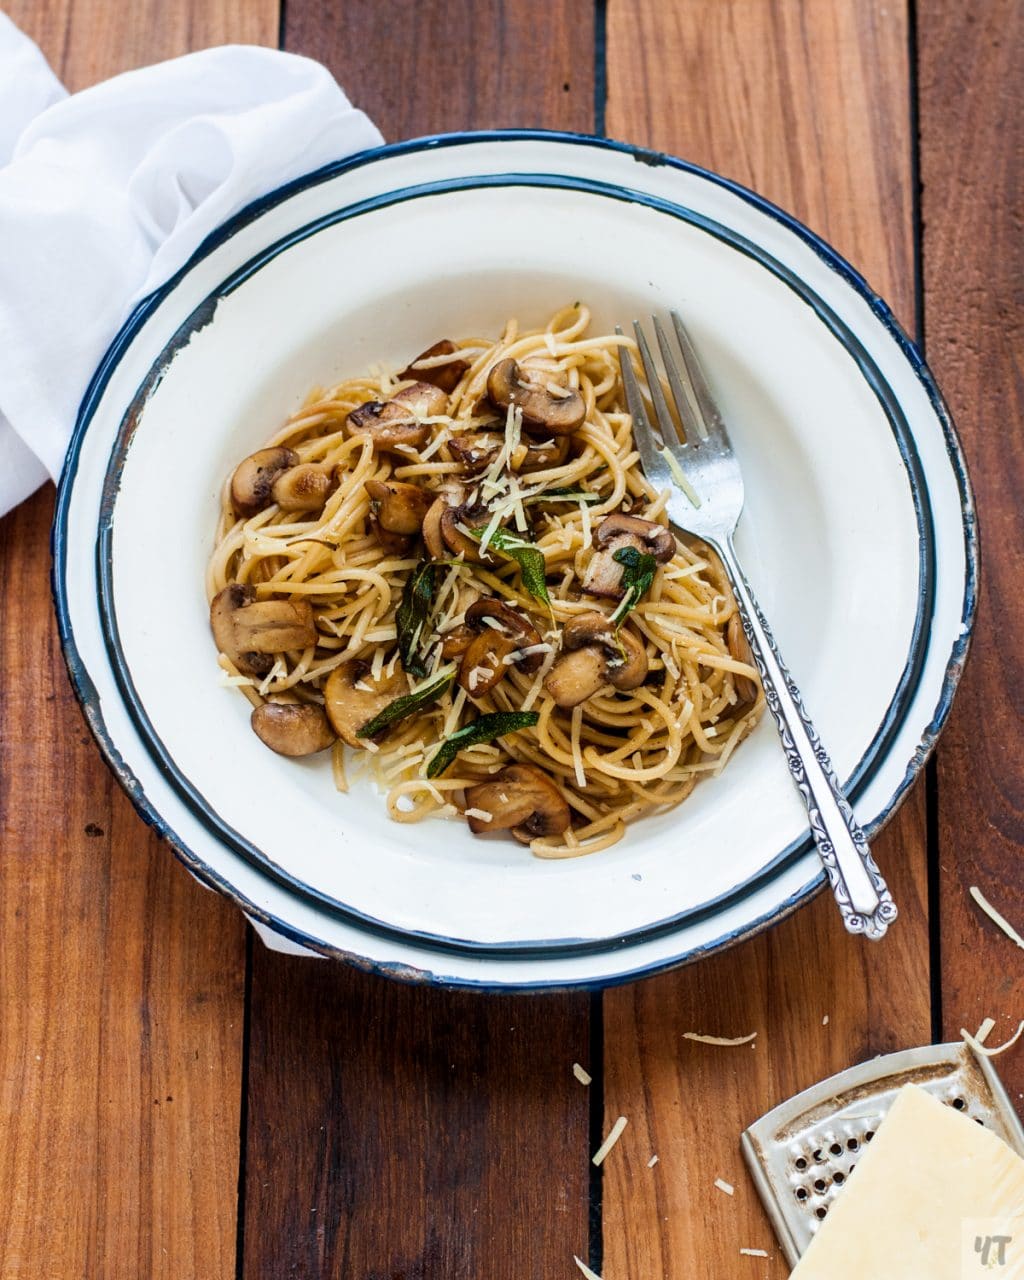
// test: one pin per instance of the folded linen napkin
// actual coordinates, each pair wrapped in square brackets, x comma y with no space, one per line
[106,193]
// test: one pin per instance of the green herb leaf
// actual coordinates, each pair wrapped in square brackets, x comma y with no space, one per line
[638,570]
[406,706]
[412,614]
[563,495]
[529,558]
[484,728]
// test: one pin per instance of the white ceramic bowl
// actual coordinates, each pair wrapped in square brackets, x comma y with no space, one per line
[858,535]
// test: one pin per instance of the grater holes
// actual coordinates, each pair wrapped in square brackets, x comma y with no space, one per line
[801,1193]
[839,1178]
[852,1144]
[820,1212]
[959,1104]
[836,1149]
[800,1164]
[818,1156]
[869,1135]
[820,1185]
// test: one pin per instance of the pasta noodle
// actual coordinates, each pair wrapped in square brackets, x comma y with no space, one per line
[615,755]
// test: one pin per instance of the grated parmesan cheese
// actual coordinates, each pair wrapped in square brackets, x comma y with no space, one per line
[994,915]
[601,1153]
[538,682]
[574,742]
[483,815]
[652,1162]
[722,1185]
[588,1274]
[985,1030]
[754,1253]
[986,1052]
[678,475]
[581,1075]
[725,1040]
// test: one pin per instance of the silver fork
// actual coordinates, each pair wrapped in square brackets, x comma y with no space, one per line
[706,461]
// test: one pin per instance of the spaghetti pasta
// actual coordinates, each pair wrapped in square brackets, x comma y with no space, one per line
[552,602]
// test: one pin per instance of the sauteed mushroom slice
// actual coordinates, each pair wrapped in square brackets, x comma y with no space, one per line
[292,728]
[253,480]
[542,454]
[474,450]
[746,689]
[521,798]
[454,643]
[603,576]
[557,415]
[459,543]
[251,631]
[501,631]
[399,507]
[435,543]
[447,376]
[302,488]
[394,425]
[352,697]
[594,657]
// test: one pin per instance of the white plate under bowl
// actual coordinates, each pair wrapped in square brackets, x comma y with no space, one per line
[858,535]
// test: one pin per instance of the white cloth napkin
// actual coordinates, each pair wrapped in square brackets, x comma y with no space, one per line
[104,194]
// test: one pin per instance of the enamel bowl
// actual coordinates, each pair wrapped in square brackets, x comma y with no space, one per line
[858,536]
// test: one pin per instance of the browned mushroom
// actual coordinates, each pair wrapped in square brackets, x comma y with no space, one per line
[557,415]
[447,376]
[432,529]
[595,655]
[399,508]
[746,689]
[251,631]
[604,573]
[542,454]
[521,798]
[501,632]
[395,424]
[352,697]
[458,542]
[454,643]
[253,479]
[474,450]
[292,728]
[302,488]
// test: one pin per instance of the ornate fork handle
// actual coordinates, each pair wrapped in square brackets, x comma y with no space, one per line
[860,891]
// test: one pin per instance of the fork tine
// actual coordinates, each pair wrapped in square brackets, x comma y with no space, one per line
[712,418]
[661,409]
[643,433]
[682,391]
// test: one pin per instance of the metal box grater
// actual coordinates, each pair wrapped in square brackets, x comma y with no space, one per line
[801,1154]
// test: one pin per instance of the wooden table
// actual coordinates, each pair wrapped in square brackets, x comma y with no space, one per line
[177,1102]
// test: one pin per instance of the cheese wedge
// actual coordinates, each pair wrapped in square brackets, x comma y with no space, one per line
[934,1197]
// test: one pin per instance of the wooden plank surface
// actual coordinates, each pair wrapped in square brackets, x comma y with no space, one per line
[972,159]
[394,1131]
[121,980]
[809,104]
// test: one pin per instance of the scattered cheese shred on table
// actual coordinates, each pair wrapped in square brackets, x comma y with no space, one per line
[591,1275]
[581,1075]
[824,1021]
[755,1253]
[978,1047]
[694,1035]
[985,1030]
[652,1162]
[994,915]
[610,1141]
[722,1185]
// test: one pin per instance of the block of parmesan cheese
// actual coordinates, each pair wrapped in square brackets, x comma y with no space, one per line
[934,1197]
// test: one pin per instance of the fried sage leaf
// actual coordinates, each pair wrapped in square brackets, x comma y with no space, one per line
[638,570]
[527,556]
[412,615]
[407,705]
[484,728]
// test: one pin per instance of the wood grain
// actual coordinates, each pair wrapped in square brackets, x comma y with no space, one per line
[393,1131]
[809,104]
[412,1133]
[972,158]
[121,981]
